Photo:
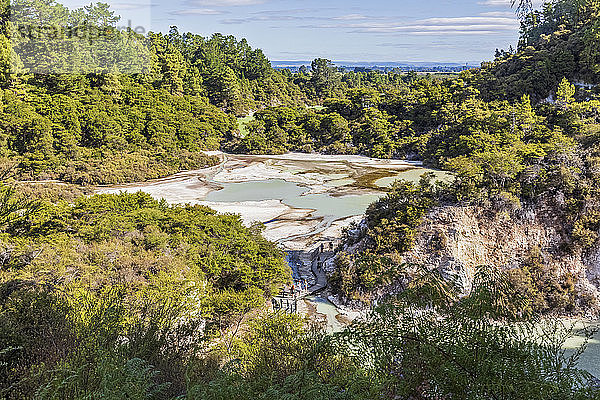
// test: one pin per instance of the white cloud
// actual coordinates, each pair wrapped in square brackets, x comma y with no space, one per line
[197,11]
[351,17]
[263,18]
[495,3]
[508,14]
[226,3]
[470,20]
[506,3]
[130,6]
[298,14]
[469,25]
[207,7]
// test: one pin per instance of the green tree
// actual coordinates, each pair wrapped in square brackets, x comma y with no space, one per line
[565,92]
[325,77]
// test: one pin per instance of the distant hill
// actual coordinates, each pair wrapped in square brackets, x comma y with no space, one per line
[382,65]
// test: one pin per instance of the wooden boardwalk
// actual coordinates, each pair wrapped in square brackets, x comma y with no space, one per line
[285,302]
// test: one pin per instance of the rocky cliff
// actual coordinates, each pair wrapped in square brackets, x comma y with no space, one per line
[457,239]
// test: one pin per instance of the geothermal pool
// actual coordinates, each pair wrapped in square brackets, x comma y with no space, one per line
[324,205]
[301,198]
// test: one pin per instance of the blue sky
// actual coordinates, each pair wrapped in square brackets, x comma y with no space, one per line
[349,30]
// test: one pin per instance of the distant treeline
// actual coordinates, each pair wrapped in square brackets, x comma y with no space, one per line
[186,96]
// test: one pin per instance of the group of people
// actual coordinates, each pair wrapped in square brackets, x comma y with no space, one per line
[322,247]
[294,290]
[299,286]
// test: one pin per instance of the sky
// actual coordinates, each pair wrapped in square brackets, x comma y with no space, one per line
[456,31]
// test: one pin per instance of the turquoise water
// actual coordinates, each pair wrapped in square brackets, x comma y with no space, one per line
[412,175]
[337,207]
[294,196]
[326,308]
[590,359]
[273,189]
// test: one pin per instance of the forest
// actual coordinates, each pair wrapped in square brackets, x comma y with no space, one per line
[100,128]
[127,297]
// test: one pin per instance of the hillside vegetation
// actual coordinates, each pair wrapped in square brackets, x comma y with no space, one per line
[109,127]
[125,296]
[87,285]
[515,158]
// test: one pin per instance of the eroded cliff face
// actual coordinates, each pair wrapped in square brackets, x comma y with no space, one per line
[457,239]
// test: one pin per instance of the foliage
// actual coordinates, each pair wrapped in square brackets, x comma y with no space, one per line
[545,290]
[92,126]
[425,343]
[118,296]
[111,287]
[392,220]
[389,229]
[429,343]
[559,40]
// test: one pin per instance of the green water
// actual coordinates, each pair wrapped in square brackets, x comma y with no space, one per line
[412,175]
[273,189]
[294,196]
[338,207]
[325,307]
[590,359]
